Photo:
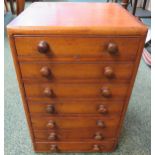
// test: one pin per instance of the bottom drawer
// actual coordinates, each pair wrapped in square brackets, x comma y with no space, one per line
[106,146]
[75,135]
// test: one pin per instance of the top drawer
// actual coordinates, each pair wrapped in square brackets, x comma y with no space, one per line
[105,48]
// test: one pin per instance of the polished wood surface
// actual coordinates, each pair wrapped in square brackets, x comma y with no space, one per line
[79,90]
[89,47]
[76,74]
[105,146]
[71,135]
[71,107]
[20,6]
[125,3]
[61,122]
[102,18]
[48,71]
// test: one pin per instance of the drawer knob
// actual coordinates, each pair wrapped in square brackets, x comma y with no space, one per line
[50,124]
[54,148]
[45,72]
[112,48]
[48,92]
[108,72]
[98,136]
[100,124]
[96,148]
[50,109]
[43,47]
[52,136]
[102,109]
[106,92]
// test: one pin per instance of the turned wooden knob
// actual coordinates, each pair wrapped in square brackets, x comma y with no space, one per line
[98,136]
[48,92]
[50,109]
[96,148]
[112,48]
[45,71]
[100,124]
[50,124]
[43,47]
[54,148]
[52,136]
[102,109]
[108,72]
[106,92]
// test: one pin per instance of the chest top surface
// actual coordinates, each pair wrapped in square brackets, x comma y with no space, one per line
[83,18]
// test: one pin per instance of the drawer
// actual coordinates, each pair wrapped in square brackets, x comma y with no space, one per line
[74,146]
[76,107]
[106,48]
[75,135]
[66,90]
[73,71]
[52,122]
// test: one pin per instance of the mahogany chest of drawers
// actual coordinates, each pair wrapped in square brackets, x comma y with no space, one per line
[76,64]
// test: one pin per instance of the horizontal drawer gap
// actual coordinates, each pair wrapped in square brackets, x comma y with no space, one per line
[76,115]
[71,99]
[80,35]
[82,82]
[71,80]
[73,62]
[93,59]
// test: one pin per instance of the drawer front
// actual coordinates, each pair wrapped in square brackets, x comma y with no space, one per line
[65,90]
[59,122]
[66,71]
[74,146]
[75,135]
[106,48]
[76,107]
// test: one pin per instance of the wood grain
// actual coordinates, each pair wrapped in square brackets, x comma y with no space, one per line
[106,146]
[76,72]
[72,107]
[72,135]
[40,123]
[66,71]
[74,46]
[83,90]
[76,18]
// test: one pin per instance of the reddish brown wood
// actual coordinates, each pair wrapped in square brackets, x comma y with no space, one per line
[76,75]
[43,47]
[70,45]
[76,90]
[6,6]
[20,5]
[77,19]
[45,72]
[70,107]
[50,109]
[109,72]
[89,71]
[96,148]
[54,148]
[106,146]
[112,48]
[40,123]
[71,135]
[102,109]
[125,3]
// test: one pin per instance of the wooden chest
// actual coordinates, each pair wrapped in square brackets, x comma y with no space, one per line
[76,64]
